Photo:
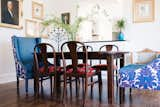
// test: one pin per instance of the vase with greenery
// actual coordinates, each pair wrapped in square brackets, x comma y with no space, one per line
[71,29]
[121,25]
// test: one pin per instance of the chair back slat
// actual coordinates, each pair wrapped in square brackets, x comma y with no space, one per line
[42,61]
[73,50]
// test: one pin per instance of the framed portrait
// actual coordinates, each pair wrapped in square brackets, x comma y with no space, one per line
[11,13]
[31,28]
[65,18]
[37,10]
[143,11]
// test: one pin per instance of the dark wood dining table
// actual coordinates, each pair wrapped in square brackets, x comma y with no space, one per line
[94,55]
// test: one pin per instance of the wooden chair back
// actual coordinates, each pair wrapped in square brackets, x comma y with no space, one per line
[41,50]
[73,50]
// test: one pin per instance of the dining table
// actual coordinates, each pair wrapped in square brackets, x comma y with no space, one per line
[95,55]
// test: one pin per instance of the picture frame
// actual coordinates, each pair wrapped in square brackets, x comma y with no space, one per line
[11,13]
[143,11]
[31,28]
[65,18]
[42,30]
[37,10]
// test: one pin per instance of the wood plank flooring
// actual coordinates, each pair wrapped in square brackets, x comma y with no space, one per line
[9,98]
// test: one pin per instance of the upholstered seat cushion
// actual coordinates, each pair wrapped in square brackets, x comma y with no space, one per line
[51,69]
[81,69]
[103,66]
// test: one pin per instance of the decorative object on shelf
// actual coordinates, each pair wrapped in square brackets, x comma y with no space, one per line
[71,29]
[59,36]
[120,25]
[11,13]
[143,10]
[31,28]
[37,10]
[65,18]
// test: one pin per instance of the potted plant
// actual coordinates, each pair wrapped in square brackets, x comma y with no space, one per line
[71,29]
[121,26]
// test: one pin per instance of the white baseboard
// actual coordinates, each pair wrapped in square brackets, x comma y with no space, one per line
[7,77]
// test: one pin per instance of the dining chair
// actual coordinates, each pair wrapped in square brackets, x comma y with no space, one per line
[45,67]
[89,49]
[100,66]
[23,49]
[74,70]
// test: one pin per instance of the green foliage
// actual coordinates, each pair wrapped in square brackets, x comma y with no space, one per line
[71,29]
[121,24]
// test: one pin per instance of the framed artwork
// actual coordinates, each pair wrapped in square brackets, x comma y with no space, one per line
[37,10]
[143,10]
[31,28]
[11,13]
[65,18]
[42,30]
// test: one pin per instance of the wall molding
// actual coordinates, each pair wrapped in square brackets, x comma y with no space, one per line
[7,77]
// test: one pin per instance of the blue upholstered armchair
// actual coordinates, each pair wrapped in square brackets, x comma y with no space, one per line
[23,49]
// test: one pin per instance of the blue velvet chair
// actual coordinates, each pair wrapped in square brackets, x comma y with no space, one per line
[23,49]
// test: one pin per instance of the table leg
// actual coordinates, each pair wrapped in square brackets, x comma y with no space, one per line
[58,78]
[122,90]
[110,62]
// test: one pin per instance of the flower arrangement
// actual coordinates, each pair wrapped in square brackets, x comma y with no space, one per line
[71,29]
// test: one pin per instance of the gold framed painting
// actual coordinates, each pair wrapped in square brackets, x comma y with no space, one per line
[37,10]
[31,27]
[143,11]
[65,18]
[11,13]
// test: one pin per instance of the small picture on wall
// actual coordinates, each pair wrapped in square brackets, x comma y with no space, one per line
[143,10]
[65,18]
[31,28]
[37,10]
[10,13]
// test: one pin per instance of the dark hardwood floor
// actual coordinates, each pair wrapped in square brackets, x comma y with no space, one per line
[9,98]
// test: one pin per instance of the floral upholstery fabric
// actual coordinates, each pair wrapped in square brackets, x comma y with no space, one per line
[20,69]
[141,76]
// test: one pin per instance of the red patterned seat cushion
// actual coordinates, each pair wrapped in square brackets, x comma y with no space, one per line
[103,67]
[50,69]
[81,70]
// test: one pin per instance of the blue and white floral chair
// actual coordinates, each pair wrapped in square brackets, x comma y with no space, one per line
[23,49]
[142,76]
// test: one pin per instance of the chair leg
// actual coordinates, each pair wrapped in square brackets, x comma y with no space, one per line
[70,83]
[122,95]
[64,89]
[100,85]
[51,85]
[17,85]
[41,82]
[76,87]
[91,87]
[86,91]
[55,86]
[26,86]
[130,91]
[117,81]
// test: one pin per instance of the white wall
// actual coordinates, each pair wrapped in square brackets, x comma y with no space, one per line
[142,35]
[139,35]
[7,66]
